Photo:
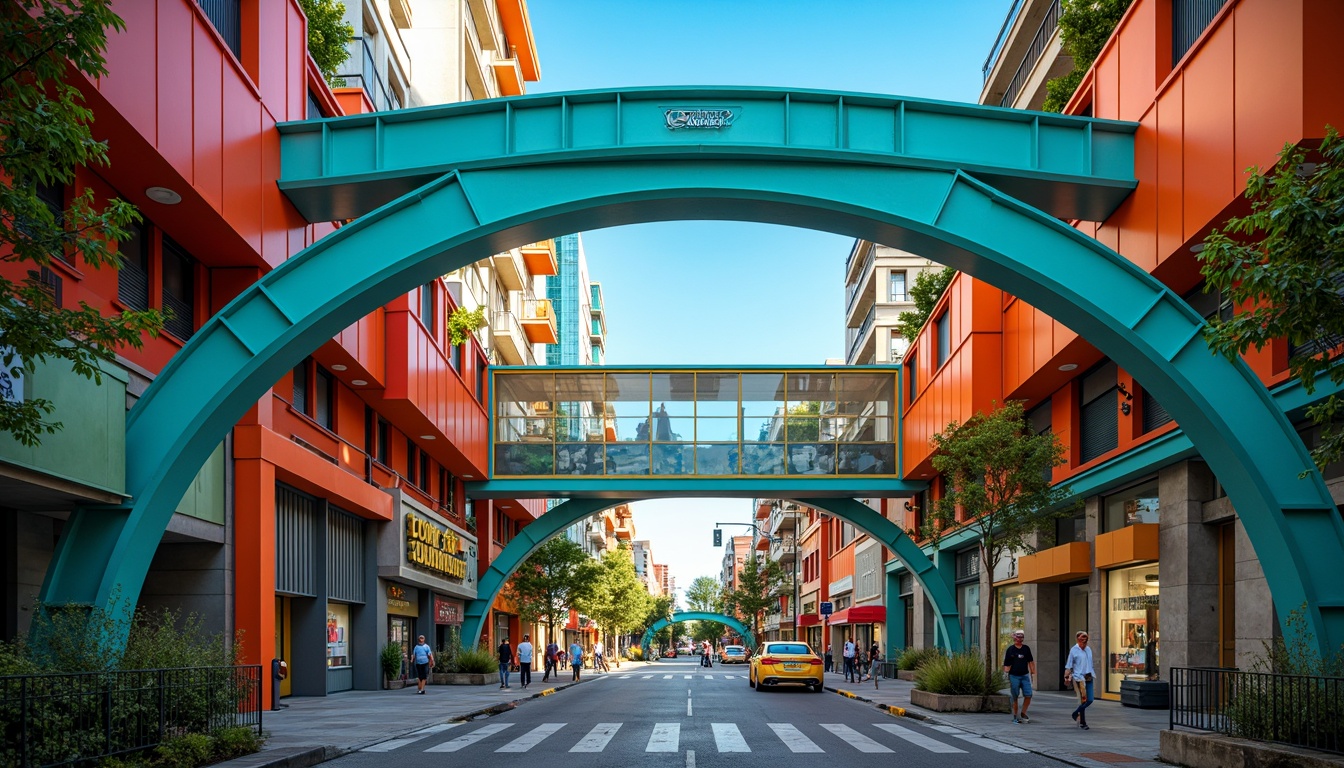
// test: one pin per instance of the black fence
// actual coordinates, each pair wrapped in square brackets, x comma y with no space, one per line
[1300,710]
[68,719]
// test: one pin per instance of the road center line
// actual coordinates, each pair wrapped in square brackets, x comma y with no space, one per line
[690,758]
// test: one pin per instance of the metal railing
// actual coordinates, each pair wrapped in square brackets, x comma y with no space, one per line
[856,340]
[1043,34]
[852,291]
[64,719]
[1300,710]
[1000,39]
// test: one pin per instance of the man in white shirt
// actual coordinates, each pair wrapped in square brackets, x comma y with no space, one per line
[524,654]
[598,649]
[850,672]
[1078,673]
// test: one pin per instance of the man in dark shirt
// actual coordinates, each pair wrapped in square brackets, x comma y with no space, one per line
[1021,668]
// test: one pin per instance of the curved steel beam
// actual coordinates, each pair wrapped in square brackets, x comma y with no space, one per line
[680,616]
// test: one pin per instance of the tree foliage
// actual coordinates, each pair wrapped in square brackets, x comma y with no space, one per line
[555,578]
[328,35]
[925,292]
[619,601]
[705,594]
[44,136]
[1284,262]
[998,486]
[1084,28]
[757,582]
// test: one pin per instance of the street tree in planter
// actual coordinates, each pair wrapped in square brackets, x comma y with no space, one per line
[997,473]
[557,577]
[757,582]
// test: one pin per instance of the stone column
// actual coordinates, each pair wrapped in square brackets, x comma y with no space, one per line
[1257,622]
[1188,623]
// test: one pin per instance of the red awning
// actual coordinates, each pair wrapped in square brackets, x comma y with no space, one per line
[860,614]
[808,619]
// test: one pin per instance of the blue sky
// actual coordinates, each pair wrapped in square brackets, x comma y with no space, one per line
[730,293]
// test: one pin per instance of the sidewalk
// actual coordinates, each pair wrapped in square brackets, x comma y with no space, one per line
[1118,734]
[312,729]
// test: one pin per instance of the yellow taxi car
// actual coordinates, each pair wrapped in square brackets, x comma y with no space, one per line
[785,663]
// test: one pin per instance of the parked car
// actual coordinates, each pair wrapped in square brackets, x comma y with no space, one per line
[670,653]
[733,654]
[785,664]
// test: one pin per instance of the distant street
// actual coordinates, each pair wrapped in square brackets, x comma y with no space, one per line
[692,716]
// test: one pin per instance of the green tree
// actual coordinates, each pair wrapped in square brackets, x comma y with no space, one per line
[619,601]
[925,292]
[555,578]
[704,594]
[998,487]
[328,35]
[711,631]
[44,137]
[657,609]
[1284,262]
[757,582]
[1084,28]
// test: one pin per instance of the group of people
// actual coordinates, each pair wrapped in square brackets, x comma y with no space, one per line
[1020,666]
[554,657]
[856,671]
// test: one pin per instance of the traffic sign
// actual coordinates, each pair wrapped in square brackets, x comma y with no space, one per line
[826,608]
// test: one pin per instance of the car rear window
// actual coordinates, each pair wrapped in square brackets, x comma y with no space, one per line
[794,648]
[734,649]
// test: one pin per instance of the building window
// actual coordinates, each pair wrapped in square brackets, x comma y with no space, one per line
[424,472]
[1131,626]
[384,453]
[943,328]
[896,290]
[338,635]
[1099,421]
[314,107]
[455,356]
[480,380]
[412,463]
[133,276]
[427,307]
[447,490]
[300,398]
[324,398]
[53,197]
[1135,505]
[226,15]
[179,279]
[1154,415]
[1010,602]
[1039,421]
[912,377]
[1189,19]
[1071,529]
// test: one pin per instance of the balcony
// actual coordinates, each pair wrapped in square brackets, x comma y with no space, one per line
[595,298]
[511,270]
[783,549]
[540,258]
[539,321]
[860,294]
[596,332]
[1067,562]
[859,336]
[508,339]
[784,518]
[509,76]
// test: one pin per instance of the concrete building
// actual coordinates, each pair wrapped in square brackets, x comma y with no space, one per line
[877,290]
[1157,566]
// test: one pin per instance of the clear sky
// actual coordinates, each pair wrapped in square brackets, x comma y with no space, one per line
[734,293]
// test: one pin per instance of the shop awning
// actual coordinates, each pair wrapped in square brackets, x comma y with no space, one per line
[808,619]
[860,614]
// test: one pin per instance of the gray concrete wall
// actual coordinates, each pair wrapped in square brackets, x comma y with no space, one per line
[32,538]
[1189,623]
[192,579]
[1257,624]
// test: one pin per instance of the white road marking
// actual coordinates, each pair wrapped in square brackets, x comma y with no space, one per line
[597,739]
[410,738]
[853,738]
[626,677]
[666,738]
[470,738]
[690,758]
[729,738]
[667,677]
[532,738]
[919,739]
[794,738]
[709,677]
[688,707]
[646,677]
[979,741]
[688,677]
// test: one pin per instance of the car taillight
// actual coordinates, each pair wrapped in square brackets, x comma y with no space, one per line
[769,660]
[815,662]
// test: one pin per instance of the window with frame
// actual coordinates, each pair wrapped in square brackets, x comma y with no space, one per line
[896,287]
[300,391]
[424,472]
[179,279]
[1189,19]
[1038,419]
[133,276]
[943,329]
[324,398]
[912,376]
[427,307]
[455,356]
[53,197]
[384,445]
[412,463]
[1099,420]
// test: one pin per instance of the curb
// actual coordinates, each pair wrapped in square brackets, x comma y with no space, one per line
[890,709]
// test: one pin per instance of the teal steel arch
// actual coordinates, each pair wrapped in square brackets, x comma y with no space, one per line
[679,616]
[926,205]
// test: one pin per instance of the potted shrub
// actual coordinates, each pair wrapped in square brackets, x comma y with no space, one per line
[956,683]
[911,658]
[464,666]
[390,659]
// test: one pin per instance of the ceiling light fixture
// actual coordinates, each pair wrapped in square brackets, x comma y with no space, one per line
[1198,247]
[468,477]
[338,367]
[1068,367]
[163,195]
[359,382]
[427,437]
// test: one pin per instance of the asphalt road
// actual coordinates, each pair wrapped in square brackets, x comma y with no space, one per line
[676,714]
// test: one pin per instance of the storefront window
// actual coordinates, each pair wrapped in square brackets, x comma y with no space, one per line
[1131,626]
[1134,505]
[1010,607]
[968,604]
[338,633]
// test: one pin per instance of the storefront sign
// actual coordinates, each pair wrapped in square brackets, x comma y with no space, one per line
[699,118]
[402,601]
[435,549]
[447,611]
[1134,603]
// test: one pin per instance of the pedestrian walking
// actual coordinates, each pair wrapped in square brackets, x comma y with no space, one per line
[552,660]
[830,660]
[505,654]
[598,650]
[874,658]
[1078,673]
[848,652]
[1021,668]
[525,661]
[423,656]
[576,658]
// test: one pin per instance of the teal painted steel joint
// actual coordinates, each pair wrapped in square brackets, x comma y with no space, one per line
[748,639]
[509,194]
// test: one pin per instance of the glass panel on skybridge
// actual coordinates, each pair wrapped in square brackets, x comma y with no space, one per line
[717,423]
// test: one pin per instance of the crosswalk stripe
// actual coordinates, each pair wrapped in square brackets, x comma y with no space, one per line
[688,677]
[667,677]
[919,739]
[532,738]
[794,738]
[468,739]
[728,738]
[666,738]
[626,677]
[709,677]
[854,738]
[410,738]
[646,677]
[597,739]
[979,741]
